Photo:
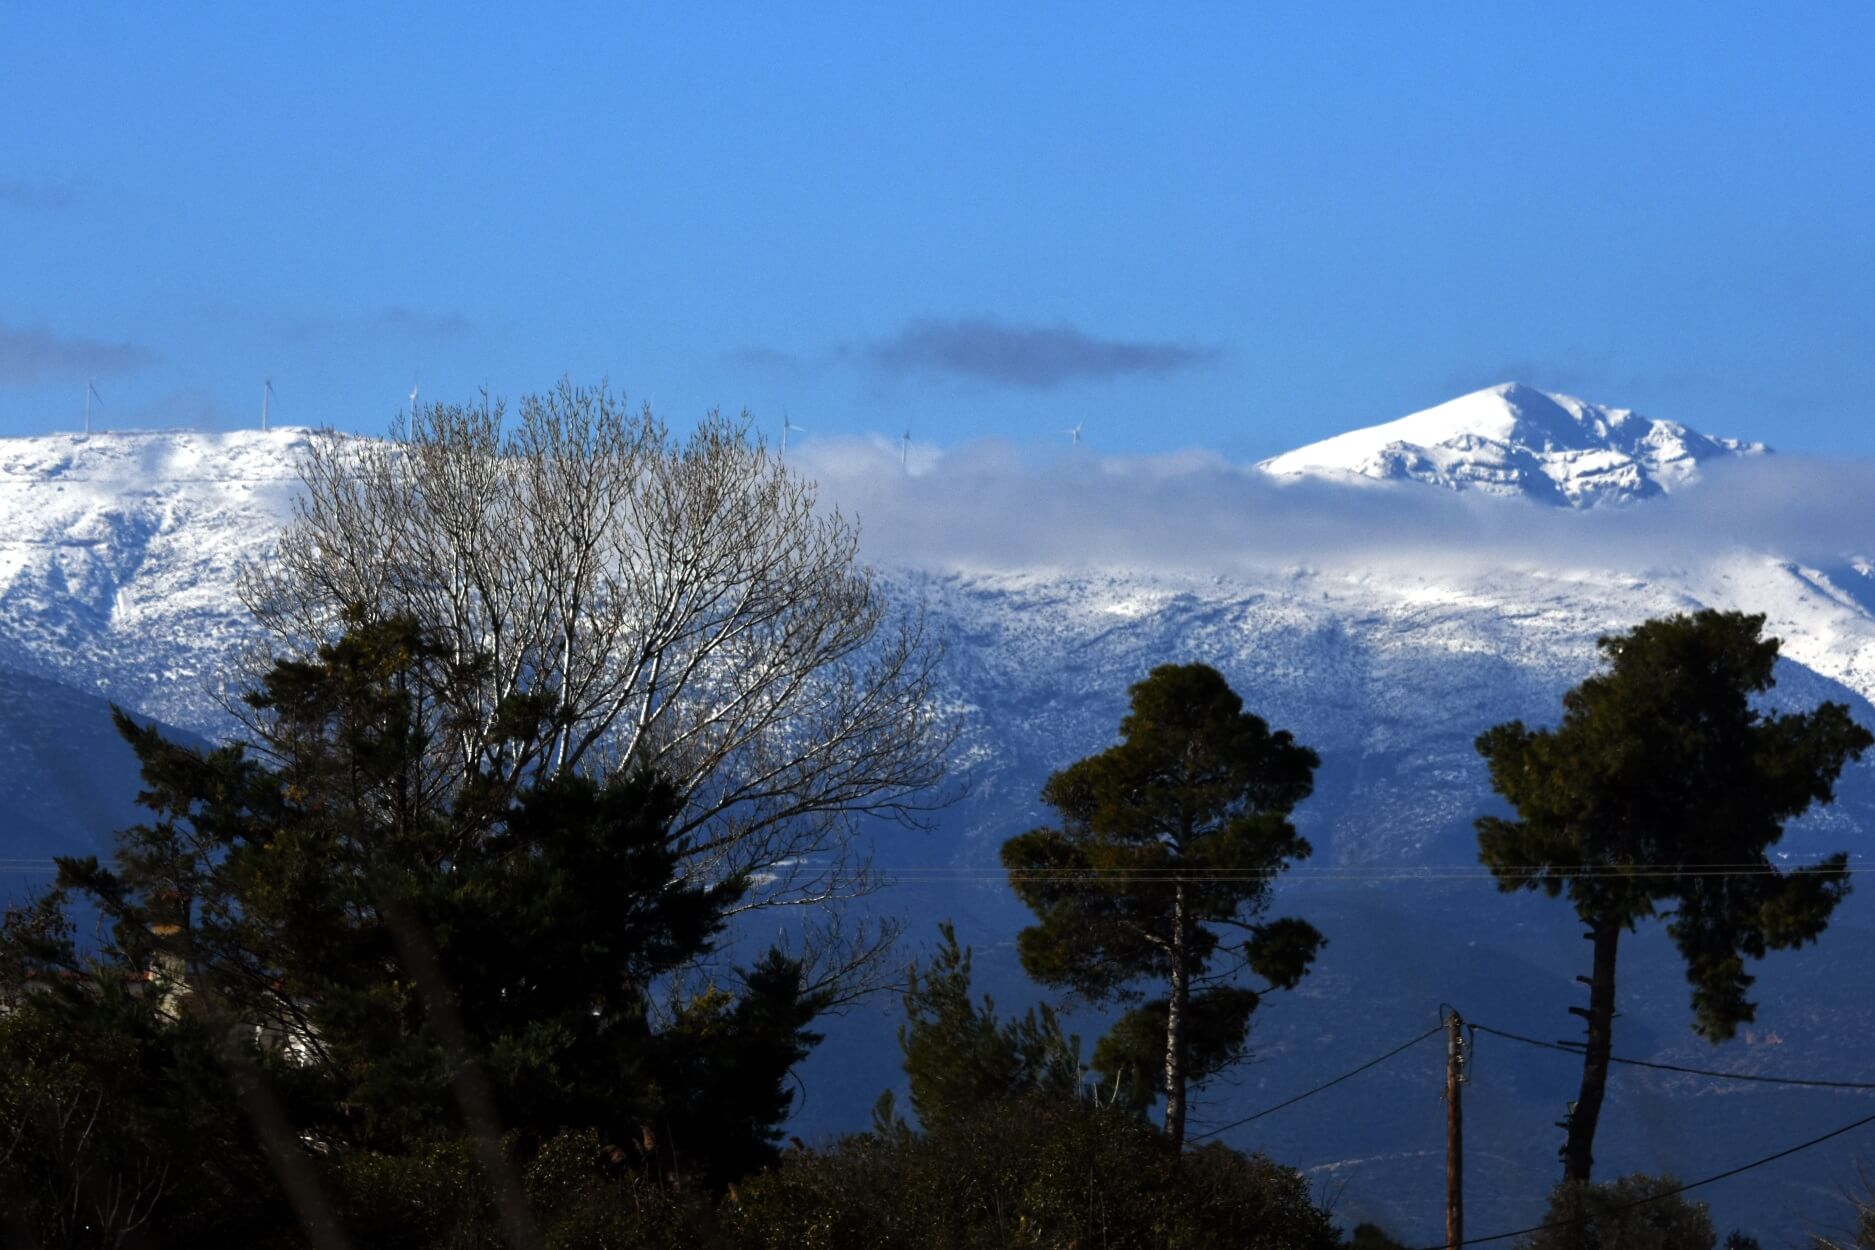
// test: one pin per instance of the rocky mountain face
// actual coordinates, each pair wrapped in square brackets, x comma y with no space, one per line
[118,555]
[117,559]
[1516,440]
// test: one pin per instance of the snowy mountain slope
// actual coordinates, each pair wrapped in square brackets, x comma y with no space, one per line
[1390,679]
[118,554]
[117,558]
[1515,440]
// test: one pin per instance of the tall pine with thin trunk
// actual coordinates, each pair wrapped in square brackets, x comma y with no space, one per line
[1159,871]
[1661,794]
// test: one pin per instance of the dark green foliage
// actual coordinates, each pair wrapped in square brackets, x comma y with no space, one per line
[1217,1025]
[1372,1237]
[578,1196]
[723,1071]
[1663,762]
[960,1057]
[431,1193]
[1162,862]
[1028,1173]
[432,965]
[116,1121]
[1623,1214]
[1661,793]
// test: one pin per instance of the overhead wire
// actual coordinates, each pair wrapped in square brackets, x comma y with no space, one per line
[1309,1093]
[1399,872]
[1569,1048]
[1565,1049]
[1665,1193]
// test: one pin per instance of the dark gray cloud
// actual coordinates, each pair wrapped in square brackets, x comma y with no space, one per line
[43,197]
[429,325]
[988,506]
[395,319]
[769,359]
[986,350]
[30,354]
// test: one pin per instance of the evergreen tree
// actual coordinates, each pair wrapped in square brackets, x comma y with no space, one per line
[117,1121]
[1167,842]
[1636,1212]
[1660,793]
[1028,1173]
[442,956]
[960,1057]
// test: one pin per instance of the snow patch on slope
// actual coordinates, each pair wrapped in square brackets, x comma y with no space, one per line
[118,554]
[1516,440]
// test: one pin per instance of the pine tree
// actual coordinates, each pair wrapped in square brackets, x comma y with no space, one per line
[1166,842]
[961,1057]
[414,938]
[1660,794]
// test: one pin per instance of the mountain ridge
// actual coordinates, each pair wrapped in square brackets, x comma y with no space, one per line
[1515,440]
[117,563]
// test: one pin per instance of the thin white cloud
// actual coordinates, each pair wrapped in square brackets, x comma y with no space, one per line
[990,506]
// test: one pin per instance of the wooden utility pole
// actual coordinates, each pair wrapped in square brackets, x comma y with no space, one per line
[1454,1130]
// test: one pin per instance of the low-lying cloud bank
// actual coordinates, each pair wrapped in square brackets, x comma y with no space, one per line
[989,506]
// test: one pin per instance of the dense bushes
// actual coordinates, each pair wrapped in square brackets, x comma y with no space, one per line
[1027,1173]
[1632,1213]
[1018,1173]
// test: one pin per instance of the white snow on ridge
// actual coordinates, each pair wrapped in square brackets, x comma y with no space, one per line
[1516,440]
[118,556]
[118,553]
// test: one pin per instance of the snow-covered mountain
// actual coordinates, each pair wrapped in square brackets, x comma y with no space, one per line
[118,555]
[1513,439]
[117,561]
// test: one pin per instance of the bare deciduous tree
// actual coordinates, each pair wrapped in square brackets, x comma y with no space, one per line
[637,599]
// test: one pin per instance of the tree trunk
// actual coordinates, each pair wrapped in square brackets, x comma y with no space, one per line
[1578,1149]
[1175,1027]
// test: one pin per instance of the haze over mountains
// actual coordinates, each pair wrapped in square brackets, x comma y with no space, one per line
[1386,594]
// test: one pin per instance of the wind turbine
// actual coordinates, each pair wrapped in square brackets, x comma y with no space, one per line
[786,426]
[266,397]
[904,449]
[91,393]
[1074,434]
[414,383]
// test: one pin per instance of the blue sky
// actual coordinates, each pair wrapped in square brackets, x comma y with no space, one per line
[1233,227]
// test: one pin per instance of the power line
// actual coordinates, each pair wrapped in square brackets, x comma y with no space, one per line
[1568,1049]
[937,876]
[1667,1193]
[1401,872]
[1289,1102]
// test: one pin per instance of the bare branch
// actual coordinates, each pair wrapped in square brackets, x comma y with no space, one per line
[685,605]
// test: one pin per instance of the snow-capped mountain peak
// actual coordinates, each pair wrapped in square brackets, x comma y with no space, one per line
[1516,440]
